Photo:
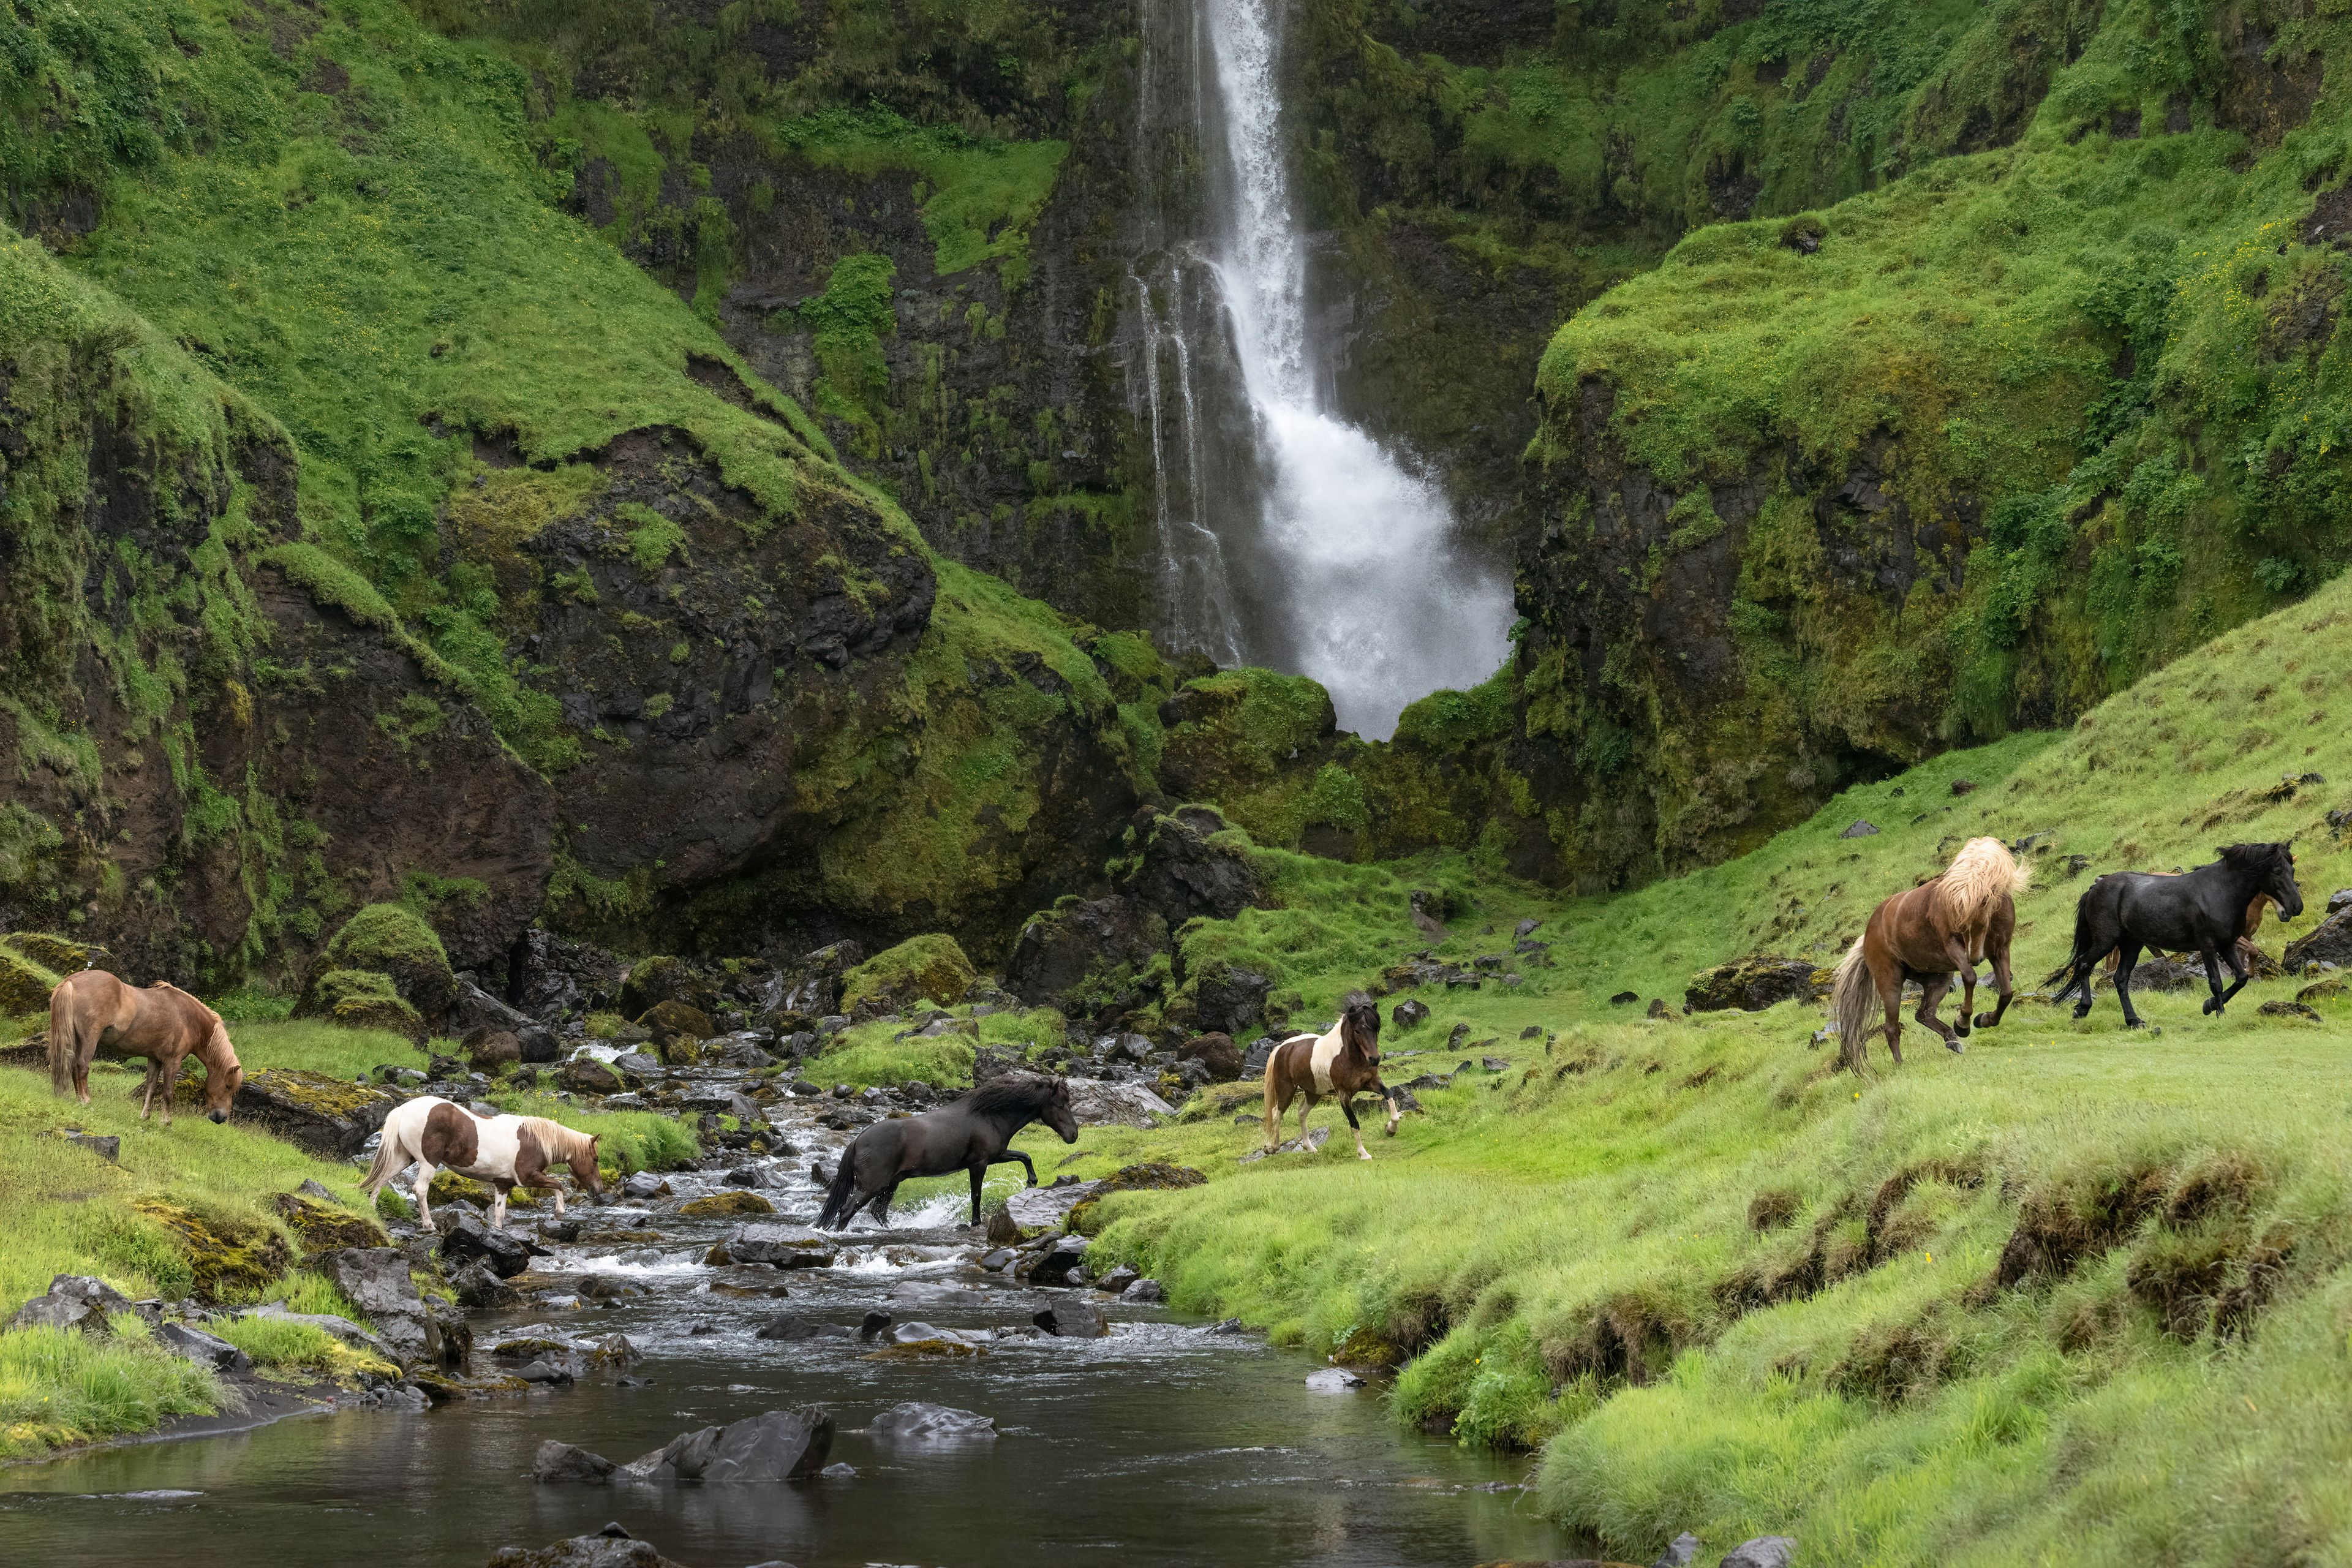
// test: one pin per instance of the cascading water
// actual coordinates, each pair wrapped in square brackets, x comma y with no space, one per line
[1369,594]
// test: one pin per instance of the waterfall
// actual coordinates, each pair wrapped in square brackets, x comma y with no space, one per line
[1288,536]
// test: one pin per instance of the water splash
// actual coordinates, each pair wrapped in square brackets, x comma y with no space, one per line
[1374,600]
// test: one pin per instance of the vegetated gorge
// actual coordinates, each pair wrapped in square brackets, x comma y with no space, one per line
[726,574]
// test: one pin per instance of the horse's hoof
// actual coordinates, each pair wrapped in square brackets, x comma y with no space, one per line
[2133,1024]
[1961,1031]
[1957,1048]
[1985,1020]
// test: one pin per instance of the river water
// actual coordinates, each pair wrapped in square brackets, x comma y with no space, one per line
[1163,1442]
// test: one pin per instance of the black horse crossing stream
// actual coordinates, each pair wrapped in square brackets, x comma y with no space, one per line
[1162,1441]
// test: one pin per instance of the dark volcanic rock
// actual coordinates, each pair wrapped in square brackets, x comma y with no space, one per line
[780,1444]
[465,1238]
[1179,874]
[916,1422]
[325,1115]
[2330,941]
[204,1349]
[607,1550]
[586,1074]
[1085,956]
[1215,1052]
[1229,1000]
[1409,1015]
[1073,1319]
[558,1461]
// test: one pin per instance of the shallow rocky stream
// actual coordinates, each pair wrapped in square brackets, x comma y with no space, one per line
[1162,1441]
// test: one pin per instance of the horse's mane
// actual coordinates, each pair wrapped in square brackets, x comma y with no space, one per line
[560,1143]
[1018,1092]
[1979,877]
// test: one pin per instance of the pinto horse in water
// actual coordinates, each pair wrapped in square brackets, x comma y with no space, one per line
[507,1151]
[1344,1061]
[162,1023]
[969,1134]
[2205,912]
[1946,925]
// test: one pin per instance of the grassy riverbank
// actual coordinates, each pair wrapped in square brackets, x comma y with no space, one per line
[2079,1293]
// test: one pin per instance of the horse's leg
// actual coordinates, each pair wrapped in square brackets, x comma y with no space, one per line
[2124,964]
[1890,997]
[2238,968]
[1348,1109]
[881,1205]
[2003,987]
[1278,1096]
[1931,992]
[147,1096]
[1307,1103]
[1025,1164]
[1964,967]
[168,1070]
[498,1191]
[976,1171]
[422,1188]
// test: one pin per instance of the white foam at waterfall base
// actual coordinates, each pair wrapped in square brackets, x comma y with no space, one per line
[1386,612]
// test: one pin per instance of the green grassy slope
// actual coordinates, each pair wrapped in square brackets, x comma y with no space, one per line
[2077,1295]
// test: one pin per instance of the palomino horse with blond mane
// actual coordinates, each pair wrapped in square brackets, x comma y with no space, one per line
[507,1151]
[162,1023]
[1947,925]
[1345,1061]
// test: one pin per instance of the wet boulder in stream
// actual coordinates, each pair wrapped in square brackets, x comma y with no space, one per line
[465,1238]
[782,1245]
[1072,1319]
[559,1461]
[916,1422]
[780,1444]
[604,1550]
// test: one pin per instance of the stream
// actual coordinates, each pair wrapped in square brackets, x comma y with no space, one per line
[1163,1442]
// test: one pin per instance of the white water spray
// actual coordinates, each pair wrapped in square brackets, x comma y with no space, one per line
[1379,607]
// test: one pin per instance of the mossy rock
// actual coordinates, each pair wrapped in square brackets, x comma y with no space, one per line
[230,1258]
[1366,1347]
[726,1206]
[327,1115]
[1750,985]
[362,999]
[1151,1176]
[930,966]
[25,985]
[671,1021]
[62,955]
[322,1227]
[450,1187]
[653,981]
[396,943]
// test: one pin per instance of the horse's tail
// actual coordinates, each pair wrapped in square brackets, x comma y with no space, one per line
[63,1046]
[2082,946]
[1982,874]
[842,1194]
[1851,994]
[387,1163]
[1272,1114]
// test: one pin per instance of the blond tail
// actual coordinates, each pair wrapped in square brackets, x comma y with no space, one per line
[385,1166]
[1273,1116]
[1852,997]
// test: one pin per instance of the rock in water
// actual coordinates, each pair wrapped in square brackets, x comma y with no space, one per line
[478,1287]
[1044,1208]
[783,1246]
[916,1422]
[1762,1551]
[1059,1261]
[782,1445]
[1680,1553]
[584,1551]
[1071,1320]
[465,1238]
[567,1462]
[1144,1291]
[1333,1380]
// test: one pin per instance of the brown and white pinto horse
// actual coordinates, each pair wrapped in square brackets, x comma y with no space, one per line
[162,1023]
[1946,925]
[1345,1062]
[507,1151]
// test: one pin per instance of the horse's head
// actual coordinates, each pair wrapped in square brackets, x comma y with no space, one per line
[223,1075]
[1056,1113]
[2271,866]
[1359,1024]
[584,1168]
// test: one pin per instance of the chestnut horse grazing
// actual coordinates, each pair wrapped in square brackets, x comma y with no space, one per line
[1345,1062]
[162,1023]
[1950,923]
[507,1151]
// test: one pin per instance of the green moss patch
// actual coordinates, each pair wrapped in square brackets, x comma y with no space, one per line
[925,967]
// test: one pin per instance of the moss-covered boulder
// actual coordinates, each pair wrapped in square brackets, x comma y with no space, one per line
[321,1226]
[229,1257]
[1751,985]
[25,985]
[929,967]
[60,955]
[725,1206]
[360,999]
[326,1115]
[450,1187]
[395,942]
[676,1021]
[653,981]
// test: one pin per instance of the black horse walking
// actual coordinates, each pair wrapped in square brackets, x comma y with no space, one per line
[2204,911]
[968,1134]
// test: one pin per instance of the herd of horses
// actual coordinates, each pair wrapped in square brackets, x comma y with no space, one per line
[1928,936]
